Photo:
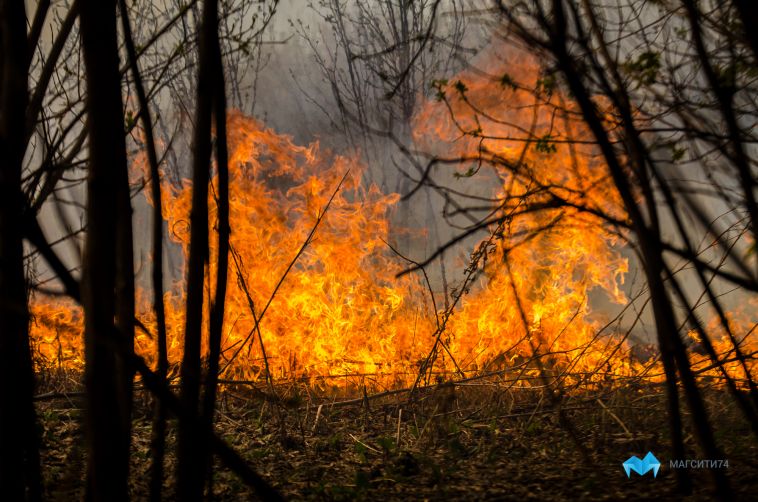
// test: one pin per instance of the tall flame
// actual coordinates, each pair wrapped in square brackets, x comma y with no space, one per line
[341,310]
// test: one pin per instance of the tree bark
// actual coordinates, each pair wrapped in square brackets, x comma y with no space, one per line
[748,10]
[107,282]
[191,458]
[19,454]
[159,409]
[672,348]
[222,227]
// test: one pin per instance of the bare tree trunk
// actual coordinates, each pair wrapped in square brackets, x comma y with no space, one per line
[663,321]
[124,296]
[748,10]
[222,260]
[19,454]
[672,347]
[191,460]
[106,288]
[159,411]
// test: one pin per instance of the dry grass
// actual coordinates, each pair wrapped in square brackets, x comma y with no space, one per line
[465,442]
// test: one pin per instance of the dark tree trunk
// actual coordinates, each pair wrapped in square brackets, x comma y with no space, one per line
[672,348]
[159,411]
[107,283]
[748,10]
[124,296]
[222,225]
[19,455]
[191,458]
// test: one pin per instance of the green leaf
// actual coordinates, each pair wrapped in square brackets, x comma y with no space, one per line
[387,444]
[507,81]
[677,153]
[544,145]
[469,173]
[547,84]
[362,481]
[644,68]
[360,451]
[439,85]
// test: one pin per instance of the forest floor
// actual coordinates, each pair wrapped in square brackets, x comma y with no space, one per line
[477,441]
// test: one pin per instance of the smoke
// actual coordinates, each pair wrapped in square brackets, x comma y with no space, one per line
[303,88]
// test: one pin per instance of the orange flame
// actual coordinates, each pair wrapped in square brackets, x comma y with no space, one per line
[342,311]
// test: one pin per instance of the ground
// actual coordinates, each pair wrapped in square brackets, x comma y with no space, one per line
[479,441]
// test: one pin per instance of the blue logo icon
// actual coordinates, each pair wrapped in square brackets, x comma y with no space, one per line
[643,466]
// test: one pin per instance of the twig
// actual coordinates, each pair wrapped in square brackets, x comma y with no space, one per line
[615,417]
[286,272]
[365,445]
[399,422]
[318,415]
[241,279]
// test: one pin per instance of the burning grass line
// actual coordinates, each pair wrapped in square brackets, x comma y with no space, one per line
[470,272]
[286,272]
[466,381]
[426,277]
[243,284]
[428,363]
[555,400]
[158,386]
[750,355]
[434,303]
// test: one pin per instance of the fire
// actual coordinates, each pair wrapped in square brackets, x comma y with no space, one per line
[56,332]
[556,255]
[341,312]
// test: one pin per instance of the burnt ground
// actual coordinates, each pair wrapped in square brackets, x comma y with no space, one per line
[468,442]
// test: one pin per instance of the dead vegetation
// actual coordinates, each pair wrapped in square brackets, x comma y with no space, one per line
[477,440]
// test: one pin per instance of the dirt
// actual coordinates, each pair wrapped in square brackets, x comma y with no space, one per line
[474,442]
